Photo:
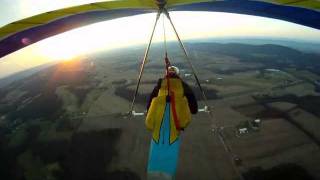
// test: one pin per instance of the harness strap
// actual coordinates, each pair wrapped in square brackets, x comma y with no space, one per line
[171,97]
[174,112]
[167,63]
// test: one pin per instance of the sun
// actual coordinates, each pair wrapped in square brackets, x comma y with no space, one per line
[97,37]
[60,48]
[127,31]
[60,52]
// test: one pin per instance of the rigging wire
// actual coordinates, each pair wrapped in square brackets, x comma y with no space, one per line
[219,132]
[218,129]
[164,37]
[143,64]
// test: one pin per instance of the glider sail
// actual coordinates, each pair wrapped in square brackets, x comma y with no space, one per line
[163,155]
[22,33]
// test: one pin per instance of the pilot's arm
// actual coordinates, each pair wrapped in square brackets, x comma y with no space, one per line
[154,93]
[192,101]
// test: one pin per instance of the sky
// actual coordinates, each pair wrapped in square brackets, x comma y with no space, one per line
[133,30]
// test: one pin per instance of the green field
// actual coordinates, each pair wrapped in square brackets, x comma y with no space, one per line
[71,123]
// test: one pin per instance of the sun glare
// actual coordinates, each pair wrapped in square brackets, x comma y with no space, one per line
[136,30]
[128,31]
[59,51]
[68,45]
[100,36]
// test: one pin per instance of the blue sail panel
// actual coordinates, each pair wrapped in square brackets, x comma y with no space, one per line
[163,156]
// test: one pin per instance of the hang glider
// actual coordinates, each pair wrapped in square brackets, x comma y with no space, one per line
[22,33]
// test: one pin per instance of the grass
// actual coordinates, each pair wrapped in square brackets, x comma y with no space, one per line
[70,100]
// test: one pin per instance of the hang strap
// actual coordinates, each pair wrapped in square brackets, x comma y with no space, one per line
[174,112]
[170,96]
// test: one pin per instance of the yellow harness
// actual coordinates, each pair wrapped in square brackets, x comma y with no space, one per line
[156,111]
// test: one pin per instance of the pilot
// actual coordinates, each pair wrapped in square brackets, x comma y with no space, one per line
[173,93]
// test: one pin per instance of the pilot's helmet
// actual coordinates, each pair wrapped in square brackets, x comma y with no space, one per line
[173,70]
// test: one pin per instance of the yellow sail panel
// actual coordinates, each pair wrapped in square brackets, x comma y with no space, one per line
[57,14]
